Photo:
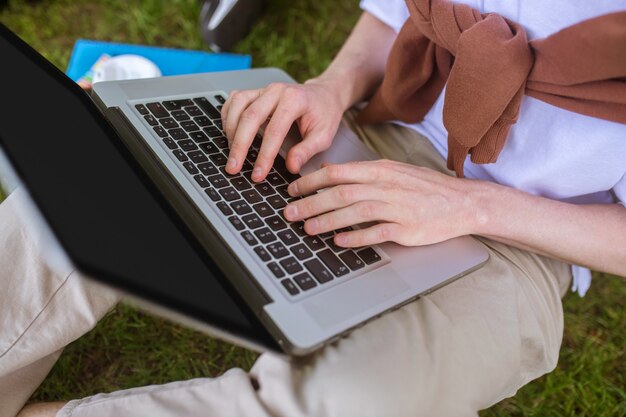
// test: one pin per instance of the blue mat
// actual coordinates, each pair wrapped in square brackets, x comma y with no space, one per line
[170,61]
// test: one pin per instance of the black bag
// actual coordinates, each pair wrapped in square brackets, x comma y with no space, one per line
[224,22]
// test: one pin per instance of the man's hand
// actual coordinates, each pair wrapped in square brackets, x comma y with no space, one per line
[411,205]
[314,106]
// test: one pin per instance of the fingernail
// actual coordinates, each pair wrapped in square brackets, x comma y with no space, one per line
[341,240]
[232,163]
[257,173]
[293,189]
[291,212]
[312,225]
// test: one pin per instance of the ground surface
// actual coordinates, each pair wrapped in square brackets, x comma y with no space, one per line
[129,348]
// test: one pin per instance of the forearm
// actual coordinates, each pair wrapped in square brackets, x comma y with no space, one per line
[588,235]
[359,66]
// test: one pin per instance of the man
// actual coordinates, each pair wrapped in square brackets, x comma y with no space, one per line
[551,200]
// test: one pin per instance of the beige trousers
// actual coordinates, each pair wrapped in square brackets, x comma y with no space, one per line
[456,351]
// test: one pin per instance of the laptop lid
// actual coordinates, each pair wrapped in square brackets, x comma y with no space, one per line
[108,216]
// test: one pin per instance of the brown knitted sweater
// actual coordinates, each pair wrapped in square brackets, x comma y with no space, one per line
[488,65]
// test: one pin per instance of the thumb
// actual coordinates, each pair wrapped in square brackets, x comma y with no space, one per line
[301,153]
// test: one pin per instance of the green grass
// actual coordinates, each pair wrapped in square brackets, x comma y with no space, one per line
[129,348]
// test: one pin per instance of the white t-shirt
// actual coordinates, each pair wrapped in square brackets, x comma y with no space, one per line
[550,152]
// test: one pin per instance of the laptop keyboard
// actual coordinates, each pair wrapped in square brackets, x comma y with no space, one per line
[191,129]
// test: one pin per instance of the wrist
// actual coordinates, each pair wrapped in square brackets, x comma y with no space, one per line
[341,86]
[483,199]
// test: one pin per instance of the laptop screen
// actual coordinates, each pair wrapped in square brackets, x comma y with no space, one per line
[107,215]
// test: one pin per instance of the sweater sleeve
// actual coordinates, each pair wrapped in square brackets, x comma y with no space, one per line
[391,12]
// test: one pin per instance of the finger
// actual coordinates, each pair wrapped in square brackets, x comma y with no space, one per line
[314,143]
[288,110]
[249,123]
[361,212]
[373,235]
[332,199]
[237,102]
[349,173]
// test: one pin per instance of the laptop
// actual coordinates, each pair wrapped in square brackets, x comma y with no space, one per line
[130,184]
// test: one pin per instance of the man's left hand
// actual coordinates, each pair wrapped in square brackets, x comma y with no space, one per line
[411,205]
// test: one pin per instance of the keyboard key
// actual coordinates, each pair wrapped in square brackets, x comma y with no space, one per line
[208,108]
[198,157]
[305,281]
[221,142]
[224,208]
[151,120]
[191,168]
[264,188]
[240,183]
[314,242]
[157,110]
[251,196]
[171,105]
[193,111]
[184,102]
[281,168]
[213,195]
[369,255]
[218,123]
[203,121]
[274,178]
[326,234]
[301,251]
[180,115]
[214,133]
[277,250]
[288,237]
[229,194]
[218,181]
[276,201]
[199,137]
[318,270]
[189,126]
[265,235]
[168,123]
[160,131]
[282,190]
[333,263]
[241,207]
[187,145]
[278,273]
[263,209]
[252,221]
[298,227]
[169,142]
[142,109]
[331,244]
[180,155]
[252,155]
[275,223]
[236,222]
[291,265]
[247,166]
[220,98]
[353,261]
[290,286]
[219,159]
[201,180]
[208,148]
[208,168]
[249,238]
[262,253]
[178,134]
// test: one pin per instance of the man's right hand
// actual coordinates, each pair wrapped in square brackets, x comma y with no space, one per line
[314,106]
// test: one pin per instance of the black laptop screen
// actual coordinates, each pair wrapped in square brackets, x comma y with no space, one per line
[106,214]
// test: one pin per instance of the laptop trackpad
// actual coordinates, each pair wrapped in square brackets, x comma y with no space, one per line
[354,298]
